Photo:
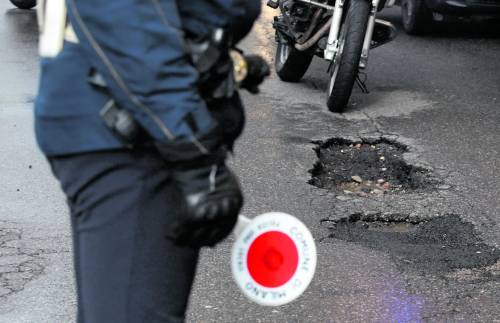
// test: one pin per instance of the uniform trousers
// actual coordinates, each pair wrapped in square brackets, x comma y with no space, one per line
[121,204]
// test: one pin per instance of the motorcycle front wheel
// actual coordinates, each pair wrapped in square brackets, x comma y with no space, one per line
[24,4]
[345,65]
[290,63]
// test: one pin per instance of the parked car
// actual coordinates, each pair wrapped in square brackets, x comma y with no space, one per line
[418,15]
[24,4]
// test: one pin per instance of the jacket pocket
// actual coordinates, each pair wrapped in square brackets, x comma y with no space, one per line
[64,89]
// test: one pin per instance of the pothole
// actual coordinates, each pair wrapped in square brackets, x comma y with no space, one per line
[443,244]
[368,167]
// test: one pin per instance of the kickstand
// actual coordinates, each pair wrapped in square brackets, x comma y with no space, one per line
[362,83]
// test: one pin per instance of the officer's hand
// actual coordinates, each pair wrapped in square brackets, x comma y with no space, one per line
[258,70]
[212,201]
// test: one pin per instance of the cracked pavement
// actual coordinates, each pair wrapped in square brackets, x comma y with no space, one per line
[18,266]
[437,95]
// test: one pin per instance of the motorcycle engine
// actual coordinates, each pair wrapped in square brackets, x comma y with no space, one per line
[298,15]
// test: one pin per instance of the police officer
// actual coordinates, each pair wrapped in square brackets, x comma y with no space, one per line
[137,115]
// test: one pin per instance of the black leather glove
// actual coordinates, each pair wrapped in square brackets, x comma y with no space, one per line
[258,70]
[212,200]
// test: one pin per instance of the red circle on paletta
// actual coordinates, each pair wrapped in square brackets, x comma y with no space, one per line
[272,259]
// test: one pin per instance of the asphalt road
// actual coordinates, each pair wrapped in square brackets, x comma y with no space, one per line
[437,95]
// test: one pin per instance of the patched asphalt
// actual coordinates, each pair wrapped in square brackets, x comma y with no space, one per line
[437,245]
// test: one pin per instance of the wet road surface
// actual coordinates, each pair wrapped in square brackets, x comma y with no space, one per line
[407,256]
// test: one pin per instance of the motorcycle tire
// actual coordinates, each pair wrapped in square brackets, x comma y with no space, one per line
[290,63]
[24,4]
[345,66]
[416,17]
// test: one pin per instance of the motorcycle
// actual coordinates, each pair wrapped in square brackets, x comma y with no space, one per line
[339,31]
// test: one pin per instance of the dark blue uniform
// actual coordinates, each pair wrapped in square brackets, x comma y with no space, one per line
[121,198]
[145,63]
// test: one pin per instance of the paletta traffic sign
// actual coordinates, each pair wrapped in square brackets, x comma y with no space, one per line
[273,258]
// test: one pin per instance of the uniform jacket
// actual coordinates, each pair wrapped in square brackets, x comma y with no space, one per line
[138,47]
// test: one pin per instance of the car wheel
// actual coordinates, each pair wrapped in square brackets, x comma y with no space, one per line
[24,4]
[417,18]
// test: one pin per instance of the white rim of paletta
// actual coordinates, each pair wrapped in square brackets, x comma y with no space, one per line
[307,257]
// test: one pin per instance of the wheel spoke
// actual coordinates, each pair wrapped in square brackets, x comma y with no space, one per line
[338,56]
